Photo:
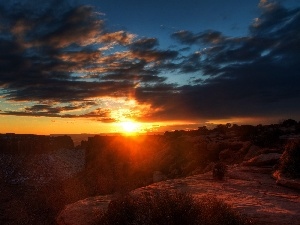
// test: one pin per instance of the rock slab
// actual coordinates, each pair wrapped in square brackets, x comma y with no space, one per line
[84,212]
[263,160]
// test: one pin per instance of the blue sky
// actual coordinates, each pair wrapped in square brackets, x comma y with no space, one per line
[153,62]
[156,18]
[150,18]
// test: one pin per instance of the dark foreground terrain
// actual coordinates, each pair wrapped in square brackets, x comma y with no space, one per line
[36,187]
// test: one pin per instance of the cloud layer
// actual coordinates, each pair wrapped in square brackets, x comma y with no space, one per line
[252,76]
[61,60]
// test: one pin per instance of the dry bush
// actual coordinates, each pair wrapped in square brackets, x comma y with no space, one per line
[170,208]
[290,160]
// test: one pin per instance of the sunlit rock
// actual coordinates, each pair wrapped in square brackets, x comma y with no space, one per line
[269,159]
[285,181]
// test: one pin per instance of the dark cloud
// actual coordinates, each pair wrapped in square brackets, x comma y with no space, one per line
[206,37]
[62,53]
[192,63]
[100,114]
[134,72]
[58,59]
[144,44]
[273,17]
[252,76]
[44,110]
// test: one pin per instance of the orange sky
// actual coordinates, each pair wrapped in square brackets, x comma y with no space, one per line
[46,126]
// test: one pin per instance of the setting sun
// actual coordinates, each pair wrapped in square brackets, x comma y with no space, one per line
[130,127]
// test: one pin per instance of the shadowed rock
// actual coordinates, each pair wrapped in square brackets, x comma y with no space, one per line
[158,176]
[252,152]
[263,160]
[84,212]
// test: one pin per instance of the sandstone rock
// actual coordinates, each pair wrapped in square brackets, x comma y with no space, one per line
[84,212]
[240,154]
[227,156]
[263,160]
[285,181]
[252,152]
[245,148]
[189,167]
[272,150]
[158,176]
[250,192]
[174,172]
[198,170]
[209,167]
[40,169]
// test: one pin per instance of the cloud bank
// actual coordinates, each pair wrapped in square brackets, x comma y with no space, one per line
[62,59]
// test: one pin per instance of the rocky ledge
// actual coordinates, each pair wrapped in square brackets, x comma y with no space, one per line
[250,190]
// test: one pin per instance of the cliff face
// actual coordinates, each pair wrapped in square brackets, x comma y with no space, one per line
[35,160]
[249,190]
[39,169]
[33,144]
[116,163]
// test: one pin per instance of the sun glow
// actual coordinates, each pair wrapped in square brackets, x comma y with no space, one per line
[130,127]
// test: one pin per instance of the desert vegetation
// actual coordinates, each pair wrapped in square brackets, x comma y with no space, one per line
[170,208]
[290,160]
[219,171]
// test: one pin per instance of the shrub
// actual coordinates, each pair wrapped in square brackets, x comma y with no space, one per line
[290,160]
[219,171]
[170,208]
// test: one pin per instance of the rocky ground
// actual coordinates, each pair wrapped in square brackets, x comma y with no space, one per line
[250,190]
[36,189]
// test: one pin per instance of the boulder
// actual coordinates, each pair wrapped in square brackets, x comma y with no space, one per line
[158,176]
[263,160]
[84,212]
